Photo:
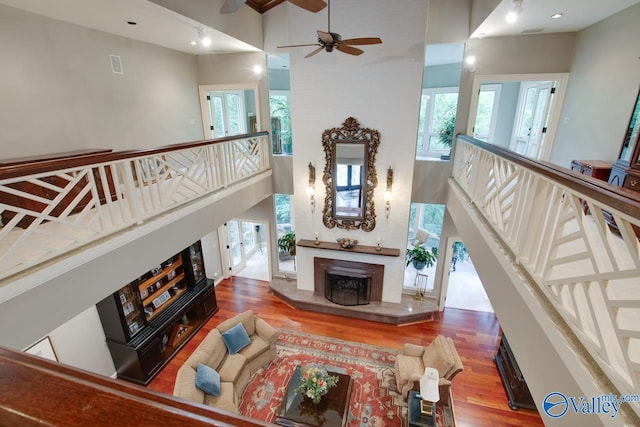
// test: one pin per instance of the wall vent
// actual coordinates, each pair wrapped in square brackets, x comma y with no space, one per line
[532,30]
[116,64]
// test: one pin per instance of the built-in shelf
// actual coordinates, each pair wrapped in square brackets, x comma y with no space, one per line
[361,249]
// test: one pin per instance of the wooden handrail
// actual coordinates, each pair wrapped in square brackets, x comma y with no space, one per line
[36,391]
[623,200]
[90,159]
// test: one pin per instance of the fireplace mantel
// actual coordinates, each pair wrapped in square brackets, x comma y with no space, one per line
[362,249]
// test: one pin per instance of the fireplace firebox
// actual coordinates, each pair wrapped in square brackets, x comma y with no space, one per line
[347,288]
[348,283]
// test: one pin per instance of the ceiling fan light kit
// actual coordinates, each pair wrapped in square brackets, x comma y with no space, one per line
[329,41]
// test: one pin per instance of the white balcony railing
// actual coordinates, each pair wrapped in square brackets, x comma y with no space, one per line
[53,212]
[555,226]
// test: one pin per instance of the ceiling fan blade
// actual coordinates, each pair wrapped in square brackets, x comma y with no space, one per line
[309,55]
[299,45]
[310,5]
[362,41]
[325,37]
[349,49]
[230,6]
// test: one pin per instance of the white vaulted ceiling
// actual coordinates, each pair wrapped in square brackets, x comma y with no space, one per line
[163,27]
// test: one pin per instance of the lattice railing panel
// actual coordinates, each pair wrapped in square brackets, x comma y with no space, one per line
[49,214]
[590,274]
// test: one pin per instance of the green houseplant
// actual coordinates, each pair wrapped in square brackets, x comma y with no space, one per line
[287,243]
[422,257]
[445,134]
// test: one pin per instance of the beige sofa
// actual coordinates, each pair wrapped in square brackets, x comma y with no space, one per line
[441,354]
[234,369]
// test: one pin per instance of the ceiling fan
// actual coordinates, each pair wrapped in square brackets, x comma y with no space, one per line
[328,41]
[230,6]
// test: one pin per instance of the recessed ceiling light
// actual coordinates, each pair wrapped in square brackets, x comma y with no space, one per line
[132,23]
[557,15]
[206,41]
[193,43]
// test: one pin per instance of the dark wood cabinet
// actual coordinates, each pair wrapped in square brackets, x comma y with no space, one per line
[518,393]
[594,168]
[148,320]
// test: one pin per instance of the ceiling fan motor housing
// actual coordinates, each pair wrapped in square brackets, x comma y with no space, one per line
[329,45]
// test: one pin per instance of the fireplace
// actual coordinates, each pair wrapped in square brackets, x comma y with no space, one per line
[348,283]
[346,287]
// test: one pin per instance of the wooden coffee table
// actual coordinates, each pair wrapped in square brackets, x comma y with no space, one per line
[331,411]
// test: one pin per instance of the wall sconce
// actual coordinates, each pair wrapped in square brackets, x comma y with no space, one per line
[471,63]
[311,187]
[257,71]
[388,195]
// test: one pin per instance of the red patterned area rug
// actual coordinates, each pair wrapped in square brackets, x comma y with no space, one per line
[374,400]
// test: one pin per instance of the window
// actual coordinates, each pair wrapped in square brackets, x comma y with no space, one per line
[284,224]
[437,119]
[428,217]
[280,113]
[425,228]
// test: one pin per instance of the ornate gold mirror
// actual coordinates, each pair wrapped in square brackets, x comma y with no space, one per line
[350,176]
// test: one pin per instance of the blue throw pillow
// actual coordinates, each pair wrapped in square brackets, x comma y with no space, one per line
[208,380]
[236,338]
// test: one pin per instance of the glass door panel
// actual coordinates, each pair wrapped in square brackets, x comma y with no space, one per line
[532,115]
[486,117]
[236,251]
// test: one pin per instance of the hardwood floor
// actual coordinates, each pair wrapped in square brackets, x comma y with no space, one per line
[479,397]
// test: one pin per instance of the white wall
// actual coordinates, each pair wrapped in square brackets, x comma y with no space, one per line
[602,90]
[235,69]
[381,89]
[448,21]
[531,54]
[59,94]
[81,343]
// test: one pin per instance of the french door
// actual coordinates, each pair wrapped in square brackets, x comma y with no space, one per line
[235,247]
[487,115]
[531,118]
[229,110]
[226,113]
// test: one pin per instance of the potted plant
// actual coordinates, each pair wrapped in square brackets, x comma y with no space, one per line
[287,245]
[422,257]
[445,134]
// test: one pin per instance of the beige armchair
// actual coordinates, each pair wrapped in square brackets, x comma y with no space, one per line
[441,354]
[420,238]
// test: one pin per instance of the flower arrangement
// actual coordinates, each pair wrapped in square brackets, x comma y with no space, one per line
[316,382]
[346,242]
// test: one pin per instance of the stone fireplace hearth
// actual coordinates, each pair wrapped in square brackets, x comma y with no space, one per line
[407,311]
